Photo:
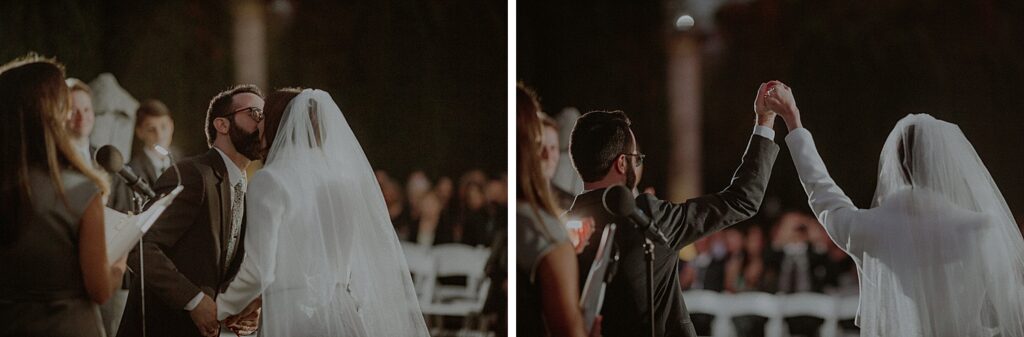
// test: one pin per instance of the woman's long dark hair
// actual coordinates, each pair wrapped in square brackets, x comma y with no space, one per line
[34,105]
[533,188]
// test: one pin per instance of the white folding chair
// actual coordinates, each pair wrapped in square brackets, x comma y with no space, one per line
[709,303]
[423,269]
[466,301]
[756,304]
[813,305]
[848,306]
[453,260]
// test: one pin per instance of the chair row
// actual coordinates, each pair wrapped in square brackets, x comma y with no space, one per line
[775,308]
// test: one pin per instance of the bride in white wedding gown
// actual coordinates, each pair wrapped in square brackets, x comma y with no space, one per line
[320,247]
[938,253]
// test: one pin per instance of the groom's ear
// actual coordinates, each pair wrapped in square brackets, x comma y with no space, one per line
[222,125]
[621,164]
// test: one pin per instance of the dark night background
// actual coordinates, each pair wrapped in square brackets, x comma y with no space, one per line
[856,67]
[422,83]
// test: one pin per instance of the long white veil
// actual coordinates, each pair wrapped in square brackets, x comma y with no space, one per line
[333,266]
[957,256]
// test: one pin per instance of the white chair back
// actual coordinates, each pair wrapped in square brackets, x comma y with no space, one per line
[755,304]
[455,259]
[813,305]
[423,269]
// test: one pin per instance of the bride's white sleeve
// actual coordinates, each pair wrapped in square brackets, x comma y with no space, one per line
[264,207]
[830,205]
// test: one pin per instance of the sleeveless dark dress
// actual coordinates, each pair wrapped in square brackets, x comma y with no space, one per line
[42,292]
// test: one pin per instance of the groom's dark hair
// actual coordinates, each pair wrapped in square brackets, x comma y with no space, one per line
[597,139]
[220,105]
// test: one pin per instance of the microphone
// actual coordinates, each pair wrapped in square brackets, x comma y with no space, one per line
[619,201]
[112,161]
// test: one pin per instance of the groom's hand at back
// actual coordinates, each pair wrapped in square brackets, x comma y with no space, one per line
[204,316]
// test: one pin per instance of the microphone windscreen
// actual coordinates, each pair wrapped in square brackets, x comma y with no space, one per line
[109,158]
[618,201]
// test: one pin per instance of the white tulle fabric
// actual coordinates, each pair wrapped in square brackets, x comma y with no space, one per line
[320,246]
[954,265]
[938,253]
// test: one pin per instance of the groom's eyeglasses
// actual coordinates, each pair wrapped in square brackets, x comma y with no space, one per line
[639,158]
[255,113]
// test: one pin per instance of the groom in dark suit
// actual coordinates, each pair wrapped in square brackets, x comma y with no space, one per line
[194,249]
[604,152]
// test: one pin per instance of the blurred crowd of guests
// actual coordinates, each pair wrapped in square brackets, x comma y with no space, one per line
[792,255]
[429,212]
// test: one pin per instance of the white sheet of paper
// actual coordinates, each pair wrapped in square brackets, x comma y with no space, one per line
[123,231]
[593,288]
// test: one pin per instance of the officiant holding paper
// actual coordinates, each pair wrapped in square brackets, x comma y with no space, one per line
[52,246]
[193,250]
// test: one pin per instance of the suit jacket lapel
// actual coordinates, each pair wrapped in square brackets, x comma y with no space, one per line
[147,168]
[220,204]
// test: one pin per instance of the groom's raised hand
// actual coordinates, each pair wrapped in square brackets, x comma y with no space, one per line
[204,316]
[765,116]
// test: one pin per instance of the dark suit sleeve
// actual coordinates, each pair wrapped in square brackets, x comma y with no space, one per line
[687,222]
[162,276]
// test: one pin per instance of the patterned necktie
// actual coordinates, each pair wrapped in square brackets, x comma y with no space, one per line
[237,207]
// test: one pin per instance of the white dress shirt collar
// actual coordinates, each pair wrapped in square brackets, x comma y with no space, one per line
[235,174]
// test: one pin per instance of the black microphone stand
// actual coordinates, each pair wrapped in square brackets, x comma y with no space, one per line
[649,254]
[137,202]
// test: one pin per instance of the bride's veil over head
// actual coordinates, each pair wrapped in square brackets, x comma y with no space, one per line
[959,253]
[346,247]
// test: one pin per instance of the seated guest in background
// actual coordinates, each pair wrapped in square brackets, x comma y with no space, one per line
[548,295]
[799,264]
[445,189]
[743,272]
[470,218]
[837,273]
[797,260]
[52,243]
[416,187]
[429,219]
[709,264]
[734,258]
[751,272]
[549,157]
[395,200]
[153,126]
[496,192]
[472,176]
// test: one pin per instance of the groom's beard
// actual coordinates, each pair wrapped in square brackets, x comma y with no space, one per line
[248,144]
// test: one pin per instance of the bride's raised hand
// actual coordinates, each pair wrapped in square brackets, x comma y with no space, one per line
[779,98]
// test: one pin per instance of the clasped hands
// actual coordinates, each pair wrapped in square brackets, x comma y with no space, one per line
[776,98]
[243,323]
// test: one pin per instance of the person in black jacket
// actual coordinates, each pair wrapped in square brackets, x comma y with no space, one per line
[605,153]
